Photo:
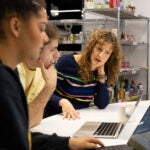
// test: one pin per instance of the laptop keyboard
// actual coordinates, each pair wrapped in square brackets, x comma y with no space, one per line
[106,128]
[118,147]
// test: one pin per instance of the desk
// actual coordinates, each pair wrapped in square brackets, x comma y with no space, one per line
[55,124]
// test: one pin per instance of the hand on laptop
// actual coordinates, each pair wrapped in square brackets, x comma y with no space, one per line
[85,142]
[68,110]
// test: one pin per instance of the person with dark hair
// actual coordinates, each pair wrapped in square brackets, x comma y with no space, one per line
[84,77]
[22,35]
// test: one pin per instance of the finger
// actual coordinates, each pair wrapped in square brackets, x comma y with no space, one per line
[77,115]
[91,146]
[48,66]
[64,115]
[96,141]
[43,69]
[72,115]
[78,112]
[68,116]
[41,64]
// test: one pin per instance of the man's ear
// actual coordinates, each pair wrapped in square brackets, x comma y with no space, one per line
[14,26]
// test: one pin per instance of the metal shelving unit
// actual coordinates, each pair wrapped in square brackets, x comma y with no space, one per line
[107,16]
[115,13]
[68,21]
[76,22]
[128,43]
[131,71]
[77,44]
[120,16]
[68,45]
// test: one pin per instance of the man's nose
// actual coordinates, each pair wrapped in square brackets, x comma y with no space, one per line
[46,39]
[57,54]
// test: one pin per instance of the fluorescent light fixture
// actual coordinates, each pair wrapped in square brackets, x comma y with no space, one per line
[65,11]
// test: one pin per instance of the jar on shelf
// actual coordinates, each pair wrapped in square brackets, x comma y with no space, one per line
[125,63]
[72,37]
[90,4]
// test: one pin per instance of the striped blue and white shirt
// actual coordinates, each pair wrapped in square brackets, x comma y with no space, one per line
[71,87]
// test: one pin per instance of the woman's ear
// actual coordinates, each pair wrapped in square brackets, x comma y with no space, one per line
[14,26]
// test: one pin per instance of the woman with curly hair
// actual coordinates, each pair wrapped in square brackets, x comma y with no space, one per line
[84,77]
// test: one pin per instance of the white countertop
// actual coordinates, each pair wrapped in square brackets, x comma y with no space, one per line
[113,112]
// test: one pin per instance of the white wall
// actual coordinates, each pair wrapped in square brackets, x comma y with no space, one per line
[142,7]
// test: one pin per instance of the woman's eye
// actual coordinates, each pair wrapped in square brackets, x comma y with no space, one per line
[100,49]
[107,53]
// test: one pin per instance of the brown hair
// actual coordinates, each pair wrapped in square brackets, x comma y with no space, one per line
[112,66]
[52,31]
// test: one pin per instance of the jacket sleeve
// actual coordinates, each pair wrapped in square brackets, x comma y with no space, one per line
[54,101]
[13,115]
[49,142]
[101,99]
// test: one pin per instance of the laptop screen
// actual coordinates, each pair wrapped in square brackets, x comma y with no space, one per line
[141,137]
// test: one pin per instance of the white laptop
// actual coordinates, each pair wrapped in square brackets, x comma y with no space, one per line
[140,139]
[103,129]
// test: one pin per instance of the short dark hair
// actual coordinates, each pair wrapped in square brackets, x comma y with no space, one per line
[23,8]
